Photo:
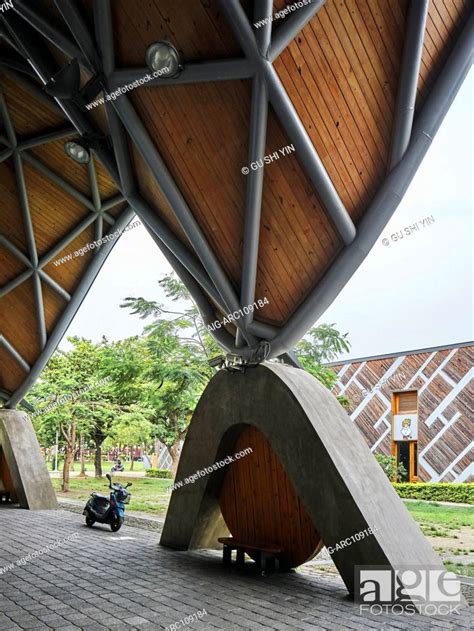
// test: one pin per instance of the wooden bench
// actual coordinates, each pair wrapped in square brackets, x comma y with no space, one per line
[265,557]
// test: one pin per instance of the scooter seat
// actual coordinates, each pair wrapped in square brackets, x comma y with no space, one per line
[101,498]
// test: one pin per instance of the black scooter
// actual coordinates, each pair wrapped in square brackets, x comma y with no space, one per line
[108,510]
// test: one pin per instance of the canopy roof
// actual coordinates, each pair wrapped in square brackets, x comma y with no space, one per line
[355,90]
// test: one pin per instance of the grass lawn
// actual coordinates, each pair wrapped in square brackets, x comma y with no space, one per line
[148,494]
[439,520]
[450,531]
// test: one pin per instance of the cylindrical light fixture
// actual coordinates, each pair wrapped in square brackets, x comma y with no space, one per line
[77,152]
[163,56]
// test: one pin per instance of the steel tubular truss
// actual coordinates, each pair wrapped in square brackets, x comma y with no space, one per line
[201,271]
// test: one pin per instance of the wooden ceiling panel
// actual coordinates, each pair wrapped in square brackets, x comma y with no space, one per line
[19,323]
[27,120]
[152,194]
[107,186]
[10,266]
[54,212]
[54,156]
[342,75]
[197,29]
[346,112]
[69,273]
[53,306]
[11,373]
[205,160]
[11,222]
[445,20]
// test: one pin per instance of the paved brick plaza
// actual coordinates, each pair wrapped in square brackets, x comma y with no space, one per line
[102,580]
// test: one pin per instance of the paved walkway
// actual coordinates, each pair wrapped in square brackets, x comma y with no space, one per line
[96,579]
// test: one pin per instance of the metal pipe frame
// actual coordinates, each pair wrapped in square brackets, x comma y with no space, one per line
[69,312]
[14,353]
[408,84]
[292,25]
[5,154]
[104,34]
[6,394]
[254,193]
[388,197]
[47,136]
[380,211]
[29,232]
[193,232]
[82,126]
[16,62]
[34,271]
[145,146]
[202,72]
[52,34]
[213,70]
[42,168]
[73,18]
[290,120]
[33,89]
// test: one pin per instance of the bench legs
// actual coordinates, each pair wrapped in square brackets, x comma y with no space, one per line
[240,557]
[227,555]
[266,563]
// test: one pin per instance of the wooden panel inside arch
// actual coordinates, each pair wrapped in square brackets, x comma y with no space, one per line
[260,506]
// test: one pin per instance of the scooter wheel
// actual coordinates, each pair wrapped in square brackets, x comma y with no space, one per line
[90,522]
[116,523]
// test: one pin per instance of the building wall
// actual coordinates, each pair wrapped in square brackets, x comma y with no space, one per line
[443,379]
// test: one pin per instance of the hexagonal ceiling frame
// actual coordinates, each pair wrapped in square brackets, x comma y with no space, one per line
[26,29]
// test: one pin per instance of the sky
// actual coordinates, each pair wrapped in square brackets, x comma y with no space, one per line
[410,293]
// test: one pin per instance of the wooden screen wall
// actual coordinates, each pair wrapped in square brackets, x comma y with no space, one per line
[6,483]
[260,506]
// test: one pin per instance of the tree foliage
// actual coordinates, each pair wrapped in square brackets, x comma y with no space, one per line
[146,387]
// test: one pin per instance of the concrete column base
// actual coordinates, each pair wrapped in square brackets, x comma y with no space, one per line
[324,455]
[27,474]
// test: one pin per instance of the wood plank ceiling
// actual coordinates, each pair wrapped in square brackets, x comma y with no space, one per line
[341,74]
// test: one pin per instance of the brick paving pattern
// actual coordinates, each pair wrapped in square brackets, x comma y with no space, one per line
[101,580]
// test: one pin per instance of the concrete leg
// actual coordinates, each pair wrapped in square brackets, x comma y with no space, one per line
[323,453]
[26,470]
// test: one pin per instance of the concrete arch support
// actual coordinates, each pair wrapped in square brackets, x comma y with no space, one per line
[23,471]
[330,466]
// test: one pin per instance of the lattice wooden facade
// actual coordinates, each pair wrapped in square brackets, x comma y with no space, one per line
[442,378]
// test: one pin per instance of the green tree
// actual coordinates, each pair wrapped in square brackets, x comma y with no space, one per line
[323,343]
[175,361]
[394,472]
[130,428]
[74,397]
[175,369]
